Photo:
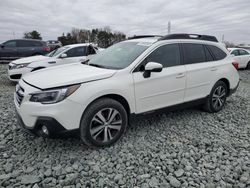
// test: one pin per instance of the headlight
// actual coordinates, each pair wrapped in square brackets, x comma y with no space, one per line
[19,66]
[53,96]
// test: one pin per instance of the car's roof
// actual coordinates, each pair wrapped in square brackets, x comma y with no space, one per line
[156,39]
[78,45]
[28,40]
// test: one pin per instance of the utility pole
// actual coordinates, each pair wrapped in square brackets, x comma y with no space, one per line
[169,27]
[14,36]
[223,38]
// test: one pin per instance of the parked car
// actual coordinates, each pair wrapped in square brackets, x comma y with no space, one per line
[130,78]
[18,48]
[54,44]
[242,56]
[64,55]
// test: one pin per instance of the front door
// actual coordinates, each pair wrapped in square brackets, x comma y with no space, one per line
[161,89]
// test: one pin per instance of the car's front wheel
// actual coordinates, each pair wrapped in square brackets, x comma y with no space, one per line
[217,98]
[103,123]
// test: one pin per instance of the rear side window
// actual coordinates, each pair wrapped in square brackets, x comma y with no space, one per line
[168,55]
[194,53]
[217,52]
[208,54]
[243,52]
[76,52]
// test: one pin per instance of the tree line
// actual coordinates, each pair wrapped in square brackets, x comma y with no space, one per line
[103,37]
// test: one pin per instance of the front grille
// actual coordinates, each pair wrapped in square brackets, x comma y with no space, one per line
[19,94]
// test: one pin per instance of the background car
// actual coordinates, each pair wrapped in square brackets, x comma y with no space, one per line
[64,55]
[17,48]
[54,44]
[242,56]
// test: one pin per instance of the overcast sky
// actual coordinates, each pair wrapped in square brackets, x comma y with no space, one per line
[53,17]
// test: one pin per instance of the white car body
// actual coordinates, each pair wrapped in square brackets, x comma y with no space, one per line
[241,55]
[37,62]
[172,86]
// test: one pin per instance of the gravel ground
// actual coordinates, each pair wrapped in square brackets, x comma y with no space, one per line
[187,148]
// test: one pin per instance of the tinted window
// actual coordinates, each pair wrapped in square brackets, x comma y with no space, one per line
[10,44]
[208,54]
[243,52]
[235,52]
[26,43]
[194,53]
[217,52]
[76,52]
[168,55]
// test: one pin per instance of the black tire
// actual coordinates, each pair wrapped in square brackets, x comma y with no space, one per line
[248,66]
[91,122]
[210,105]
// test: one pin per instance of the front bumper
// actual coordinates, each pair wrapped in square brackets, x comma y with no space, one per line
[16,74]
[55,129]
[61,118]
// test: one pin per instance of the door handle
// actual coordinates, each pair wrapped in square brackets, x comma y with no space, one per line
[214,69]
[180,75]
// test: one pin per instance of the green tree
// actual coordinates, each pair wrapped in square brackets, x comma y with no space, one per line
[32,35]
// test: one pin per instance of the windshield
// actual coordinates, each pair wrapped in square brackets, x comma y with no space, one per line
[119,55]
[57,51]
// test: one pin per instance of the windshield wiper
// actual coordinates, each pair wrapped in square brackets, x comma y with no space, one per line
[97,65]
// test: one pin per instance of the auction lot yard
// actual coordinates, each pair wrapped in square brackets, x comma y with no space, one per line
[187,148]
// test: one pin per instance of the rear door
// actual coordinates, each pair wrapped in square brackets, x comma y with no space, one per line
[8,50]
[161,89]
[26,48]
[200,70]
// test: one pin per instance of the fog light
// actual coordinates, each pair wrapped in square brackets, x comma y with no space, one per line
[45,130]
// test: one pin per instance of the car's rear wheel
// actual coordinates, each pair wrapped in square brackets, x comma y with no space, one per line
[217,98]
[248,66]
[103,123]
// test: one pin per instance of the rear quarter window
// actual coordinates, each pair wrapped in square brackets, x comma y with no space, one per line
[217,52]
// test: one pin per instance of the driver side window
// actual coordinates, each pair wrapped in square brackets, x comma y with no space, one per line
[10,44]
[167,55]
[76,52]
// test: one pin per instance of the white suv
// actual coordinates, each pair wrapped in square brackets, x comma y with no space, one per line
[133,77]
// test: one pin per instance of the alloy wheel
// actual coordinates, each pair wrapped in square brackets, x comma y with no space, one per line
[105,125]
[219,97]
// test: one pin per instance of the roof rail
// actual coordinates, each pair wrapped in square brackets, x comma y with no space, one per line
[189,36]
[143,36]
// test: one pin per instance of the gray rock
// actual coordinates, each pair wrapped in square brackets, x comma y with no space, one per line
[118,177]
[30,179]
[179,173]
[174,182]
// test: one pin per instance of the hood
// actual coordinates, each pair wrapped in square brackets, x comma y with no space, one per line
[30,59]
[66,75]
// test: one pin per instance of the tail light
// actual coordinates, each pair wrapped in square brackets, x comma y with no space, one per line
[235,64]
[46,49]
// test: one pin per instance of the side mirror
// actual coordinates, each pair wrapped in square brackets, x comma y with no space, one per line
[63,55]
[152,67]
